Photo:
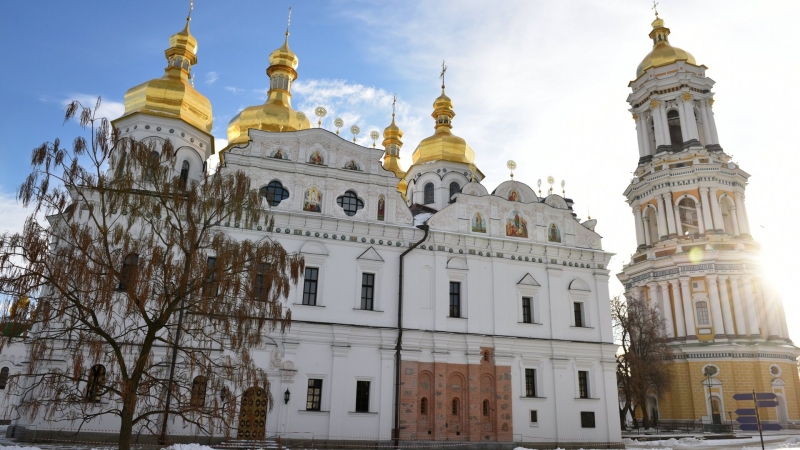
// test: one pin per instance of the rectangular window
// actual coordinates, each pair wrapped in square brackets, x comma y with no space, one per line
[530,382]
[583,384]
[261,285]
[310,286]
[314,395]
[534,417]
[578,309]
[367,291]
[527,316]
[455,299]
[587,419]
[211,288]
[362,396]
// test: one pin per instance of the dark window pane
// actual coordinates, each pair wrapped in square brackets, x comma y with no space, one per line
[261,287]
[583,384]
[454,189]
[530,382]
[362,396]
[184,173]
[534,417]
[455,299]
[275,193]
[3,377]
[199,386]
[367,291]
[211,288]
[310,286]
[526,310]
[96,382]
[428,193]
[350,203]
[128,272]
[455,407]
[587,419]
[578,308]
[423,406]
[314,395]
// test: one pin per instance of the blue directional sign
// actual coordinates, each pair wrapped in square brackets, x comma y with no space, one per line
[767,404]
[746,412]
[764,426]
[765,396]
[747,419]
[743,396]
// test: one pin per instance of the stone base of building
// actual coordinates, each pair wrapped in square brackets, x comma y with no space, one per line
[454,444]
[33,435]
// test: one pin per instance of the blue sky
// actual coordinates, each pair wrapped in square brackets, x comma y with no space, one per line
[541,82]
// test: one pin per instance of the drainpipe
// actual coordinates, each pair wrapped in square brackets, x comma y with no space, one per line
[399,345]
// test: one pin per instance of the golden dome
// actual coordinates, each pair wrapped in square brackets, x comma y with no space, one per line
[276,114]
[443,145]
[392,142]
[663,53]
[173,95]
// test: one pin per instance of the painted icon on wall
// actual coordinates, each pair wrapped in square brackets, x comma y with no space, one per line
[513,196]
[278,154]
[381,207]
[553,233]
[478,223]
[313,200]
[351,165]
[516,225]
[316,158]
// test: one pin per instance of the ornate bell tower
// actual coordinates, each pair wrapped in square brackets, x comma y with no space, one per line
[695,260]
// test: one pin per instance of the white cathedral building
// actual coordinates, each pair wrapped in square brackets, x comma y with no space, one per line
[500,298]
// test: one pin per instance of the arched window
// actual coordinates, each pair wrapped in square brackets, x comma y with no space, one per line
[486,408]
[128,273]
[152,165]
[675,135]
[652,224]
[423,406]
[702,313]
[3,377]
[687,210]
[454,189]
[429,193]
[350,203]
[455,406]
[199,386]
[97,378]
[651,135]
[184,173]
[275,193]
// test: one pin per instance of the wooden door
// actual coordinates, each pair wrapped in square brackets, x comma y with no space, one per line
[253,414]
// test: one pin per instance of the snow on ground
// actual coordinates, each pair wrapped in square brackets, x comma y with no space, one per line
[186,447]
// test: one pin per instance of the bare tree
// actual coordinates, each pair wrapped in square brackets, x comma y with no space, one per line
[643,356]
[140,303]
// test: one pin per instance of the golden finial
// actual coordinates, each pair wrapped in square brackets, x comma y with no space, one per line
[289,21]
[654,8]
[511,166]
[191,7]
[394,103]
[441,75]
[563,192]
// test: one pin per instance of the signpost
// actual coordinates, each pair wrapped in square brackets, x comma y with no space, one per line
[750,419]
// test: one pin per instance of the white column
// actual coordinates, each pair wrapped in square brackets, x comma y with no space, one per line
[666,308]
[691,120]
[725,302]
[706,128]
[637,219]
[658,125]
[680,321]
[669,213]
[746,218]
[688,308]
[782,316]
[770,303]
[701,228]
[647,238]
[684,130]
[738,308]
[662,219]
[678,225]
[735,221]
[640,134]
[664,124]
[645,135]
[706,209]
[750,306]
[712,124]
[340,406]
[716,308]
[715,210]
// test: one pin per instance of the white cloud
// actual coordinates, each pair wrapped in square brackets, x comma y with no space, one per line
[211,77]
[108,108]
[12,214]
[233,90]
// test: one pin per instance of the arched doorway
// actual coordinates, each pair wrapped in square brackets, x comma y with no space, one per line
[652,410]
[716,416]
[253,414]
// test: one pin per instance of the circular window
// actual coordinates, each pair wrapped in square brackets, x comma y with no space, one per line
[350,203]
[275,193]
[710,370]
[775,370]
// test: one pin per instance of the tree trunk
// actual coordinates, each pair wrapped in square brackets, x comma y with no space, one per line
[125,427]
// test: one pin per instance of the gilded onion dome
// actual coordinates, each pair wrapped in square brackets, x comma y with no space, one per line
[276,114]
[173,95]
[663,53]
[443,145]
[392,142]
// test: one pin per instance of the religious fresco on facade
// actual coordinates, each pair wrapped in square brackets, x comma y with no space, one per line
[381,207]
[316,158]
[513,196]
[553,233]
[516,225]
[478,223]
[313,200]
[278,154]
[351,165]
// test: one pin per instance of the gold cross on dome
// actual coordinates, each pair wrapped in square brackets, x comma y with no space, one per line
[191,7]
[654,8]
[289,20]
[444,69]
[394,102]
